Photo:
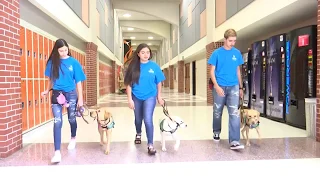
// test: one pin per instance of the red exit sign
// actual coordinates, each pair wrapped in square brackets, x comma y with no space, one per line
[303,40]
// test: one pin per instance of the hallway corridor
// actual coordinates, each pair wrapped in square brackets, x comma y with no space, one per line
[284,145]
[279,141]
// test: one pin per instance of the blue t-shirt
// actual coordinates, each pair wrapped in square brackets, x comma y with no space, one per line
[72,74]
[226,63]
[150,76]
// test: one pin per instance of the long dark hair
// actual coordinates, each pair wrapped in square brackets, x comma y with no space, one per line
[132,73]
[55,58]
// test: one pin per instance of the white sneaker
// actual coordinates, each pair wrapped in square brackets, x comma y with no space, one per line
[72,144]
[56,158]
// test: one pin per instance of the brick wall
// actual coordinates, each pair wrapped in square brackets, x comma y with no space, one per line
[106,79]
[210,48]
[114,77]
[10,79]
[166,73]
[318,78]
[171,77]
[181,77]
[187,78]
[91,70]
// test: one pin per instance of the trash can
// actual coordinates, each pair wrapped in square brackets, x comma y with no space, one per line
[311,116]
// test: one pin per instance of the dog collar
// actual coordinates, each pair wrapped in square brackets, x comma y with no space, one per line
[173,130]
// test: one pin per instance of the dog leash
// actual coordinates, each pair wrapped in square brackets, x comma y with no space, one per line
[165,109]
[81,111]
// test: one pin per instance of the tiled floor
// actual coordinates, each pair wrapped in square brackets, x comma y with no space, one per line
[279,142]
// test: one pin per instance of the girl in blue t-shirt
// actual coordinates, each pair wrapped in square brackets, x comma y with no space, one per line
[143,80]
[65,76]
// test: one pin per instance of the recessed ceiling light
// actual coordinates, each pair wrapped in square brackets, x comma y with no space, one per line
[134,44]
[127,15]
[130,29]
[132,37]
[149,44]
[150,37]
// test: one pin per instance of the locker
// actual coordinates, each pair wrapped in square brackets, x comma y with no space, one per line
[50,47]
[45,101]
[35,55]
[48,104]
[41,58]
[23,52]
[36,97]
[43,108]
[45,50]
[77,57]
[24,106]
[49,95]
[41,76]
[30,104]
[29,54]
[46,53]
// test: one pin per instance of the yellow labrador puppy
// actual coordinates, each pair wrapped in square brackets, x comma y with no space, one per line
[105,126]
[249,120]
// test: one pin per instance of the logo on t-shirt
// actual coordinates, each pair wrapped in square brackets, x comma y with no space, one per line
[70,68]
[234,58]
[151,71]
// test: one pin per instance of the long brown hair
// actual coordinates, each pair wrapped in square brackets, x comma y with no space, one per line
[132,73]
[55,58]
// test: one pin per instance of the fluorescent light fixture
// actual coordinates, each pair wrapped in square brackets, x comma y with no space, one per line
[133,44]
[132,37]
[149,44]
[150,37]
[130,29]
[127,15]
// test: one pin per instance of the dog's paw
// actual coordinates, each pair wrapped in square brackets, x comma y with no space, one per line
[164,149]
[101,143]
[248,144]
[176,147]
[107,152]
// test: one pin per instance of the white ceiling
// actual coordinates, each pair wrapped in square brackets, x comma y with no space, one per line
[125,29]
[134,15]
[291,15]
[141,36]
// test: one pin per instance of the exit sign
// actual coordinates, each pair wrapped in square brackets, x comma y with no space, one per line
[303,40]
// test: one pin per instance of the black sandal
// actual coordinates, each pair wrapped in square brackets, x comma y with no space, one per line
[151,151]
[138,139]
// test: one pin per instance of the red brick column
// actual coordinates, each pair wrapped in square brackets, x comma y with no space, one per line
[171,77]
[318,82]
[210,48]
[181,76]
[91,70]
[10,79]
[166,73]
[114,77]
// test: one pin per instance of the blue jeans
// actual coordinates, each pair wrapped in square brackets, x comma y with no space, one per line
[143,109]
[72,98]
[231,100]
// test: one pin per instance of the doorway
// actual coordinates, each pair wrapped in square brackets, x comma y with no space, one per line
[187,78]
[194,78]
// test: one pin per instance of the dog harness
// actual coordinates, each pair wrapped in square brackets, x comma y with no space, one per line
[109,125]
[173,130]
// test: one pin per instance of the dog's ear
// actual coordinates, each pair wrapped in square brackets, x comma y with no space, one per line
[245,112]
[107,115]
[258,114]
